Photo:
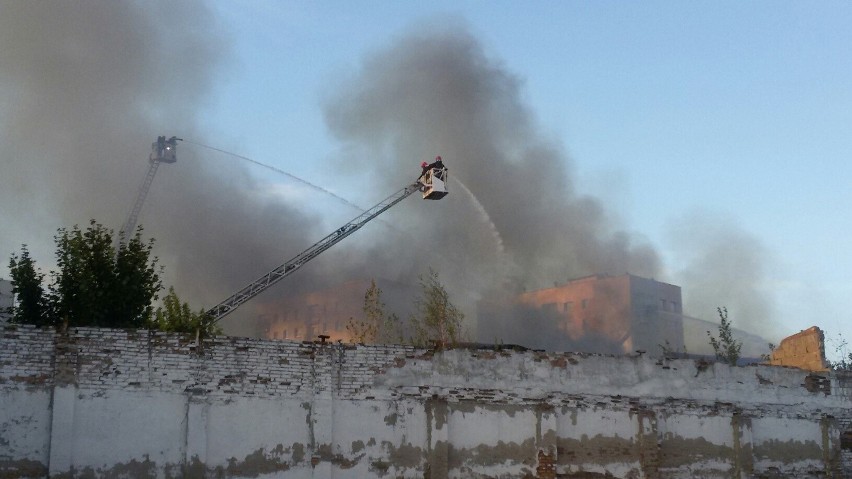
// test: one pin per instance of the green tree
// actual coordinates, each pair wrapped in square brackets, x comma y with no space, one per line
[97,286]
[377,326]
[94,285]
[437,319]
[726,347]
[177,316]
[137,281]
[27,286]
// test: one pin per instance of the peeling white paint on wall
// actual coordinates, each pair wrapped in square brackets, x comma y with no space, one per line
[106,403]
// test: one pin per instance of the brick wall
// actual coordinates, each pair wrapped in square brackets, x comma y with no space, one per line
[804,350]
[126,403]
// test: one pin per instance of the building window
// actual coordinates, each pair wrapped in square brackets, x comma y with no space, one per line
[325,327]
[584,303]
[296,333]
[567,307]
[663,305]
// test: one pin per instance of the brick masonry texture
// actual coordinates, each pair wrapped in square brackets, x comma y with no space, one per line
[804,350]
[120,403]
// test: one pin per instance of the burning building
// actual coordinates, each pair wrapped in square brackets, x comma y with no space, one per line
[599,314]
[635,313]
[327,311]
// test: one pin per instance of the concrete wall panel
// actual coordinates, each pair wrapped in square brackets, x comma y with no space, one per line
[597,440]
[250,435]
[129,432]
[491,439]
[25,432]
[787,444]
[373,438]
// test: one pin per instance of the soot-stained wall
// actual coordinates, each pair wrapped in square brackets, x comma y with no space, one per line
[126,403]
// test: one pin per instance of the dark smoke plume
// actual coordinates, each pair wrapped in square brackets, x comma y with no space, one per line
[435,91]
[86,87]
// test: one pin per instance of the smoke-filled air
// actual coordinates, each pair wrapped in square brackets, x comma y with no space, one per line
[436,91]
[86,86]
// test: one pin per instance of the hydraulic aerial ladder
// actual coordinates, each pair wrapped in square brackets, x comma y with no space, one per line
[162,151]
[432,185]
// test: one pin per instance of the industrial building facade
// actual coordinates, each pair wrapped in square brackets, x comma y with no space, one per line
[634,312]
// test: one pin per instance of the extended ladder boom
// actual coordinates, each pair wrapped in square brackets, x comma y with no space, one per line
[279,273]
[162,151]
[129,226]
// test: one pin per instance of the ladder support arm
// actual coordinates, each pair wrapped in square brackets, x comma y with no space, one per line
[264,282]
[128,230]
